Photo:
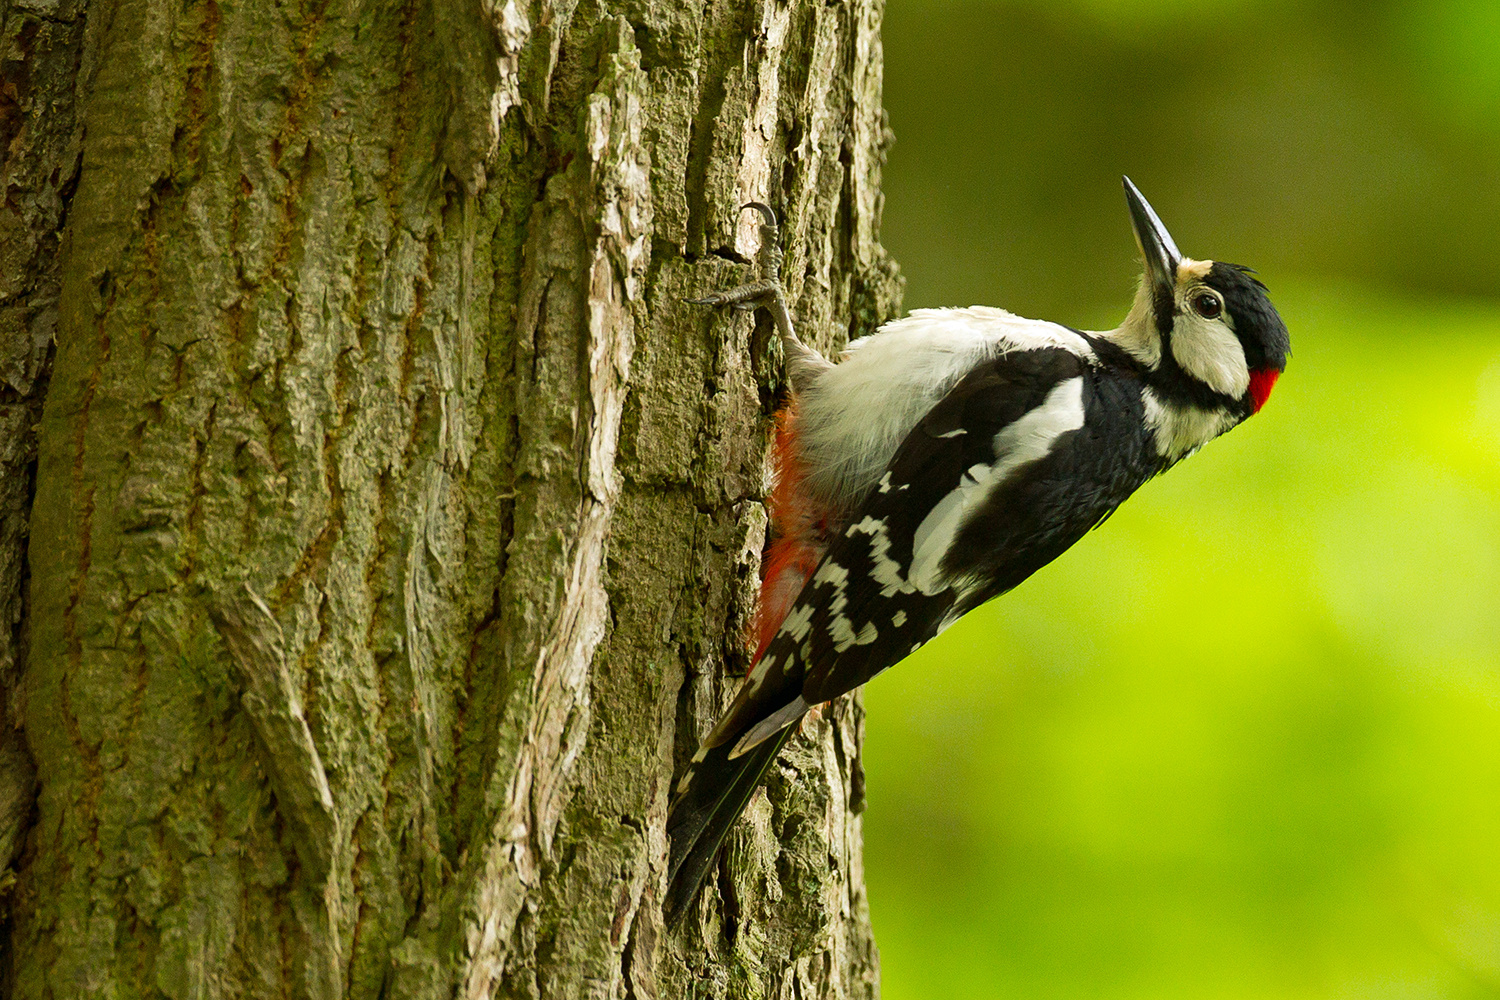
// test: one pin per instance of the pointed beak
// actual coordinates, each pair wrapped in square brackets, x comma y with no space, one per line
[1157,247]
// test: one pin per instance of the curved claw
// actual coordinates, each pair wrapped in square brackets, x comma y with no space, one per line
[764,210]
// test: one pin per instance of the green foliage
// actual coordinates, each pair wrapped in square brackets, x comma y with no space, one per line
[1243,740]
[1316,140]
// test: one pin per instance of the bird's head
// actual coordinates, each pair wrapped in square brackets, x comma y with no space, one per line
[1206,331]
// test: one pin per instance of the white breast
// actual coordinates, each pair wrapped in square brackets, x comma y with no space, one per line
[858,413]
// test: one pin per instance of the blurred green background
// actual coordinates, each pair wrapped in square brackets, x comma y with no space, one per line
[1244,741]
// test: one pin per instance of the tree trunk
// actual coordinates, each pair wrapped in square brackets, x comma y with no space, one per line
[393,523]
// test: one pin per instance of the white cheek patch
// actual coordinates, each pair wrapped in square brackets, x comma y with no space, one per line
[1208,350]
[1205,349]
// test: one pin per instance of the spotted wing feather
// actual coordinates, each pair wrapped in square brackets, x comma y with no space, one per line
[890,606]
[860,611]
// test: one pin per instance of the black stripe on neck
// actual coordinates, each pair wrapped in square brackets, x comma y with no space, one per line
[1167,380]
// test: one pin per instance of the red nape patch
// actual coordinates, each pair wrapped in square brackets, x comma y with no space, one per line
[1262,381]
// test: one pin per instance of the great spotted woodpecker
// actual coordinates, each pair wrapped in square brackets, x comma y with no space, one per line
[943,460]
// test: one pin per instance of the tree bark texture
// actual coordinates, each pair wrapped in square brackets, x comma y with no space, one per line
[378,526]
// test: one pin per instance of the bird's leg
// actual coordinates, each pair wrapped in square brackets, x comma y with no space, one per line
[803,364]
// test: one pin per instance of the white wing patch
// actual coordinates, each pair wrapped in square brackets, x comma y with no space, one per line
[1027,439]
[832,573]
[841,631]
[758,674]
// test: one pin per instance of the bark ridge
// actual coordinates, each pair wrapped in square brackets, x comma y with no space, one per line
[378,527]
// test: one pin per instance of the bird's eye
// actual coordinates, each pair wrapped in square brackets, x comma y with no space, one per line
[1208,305]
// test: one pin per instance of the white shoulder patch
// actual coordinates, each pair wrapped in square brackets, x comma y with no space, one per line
[861,410]
[1012,332]
[1027,439]
[1181,430]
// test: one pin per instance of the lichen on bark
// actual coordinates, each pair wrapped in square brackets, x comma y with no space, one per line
[378,524]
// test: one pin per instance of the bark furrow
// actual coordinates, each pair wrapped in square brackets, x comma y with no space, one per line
[378,526]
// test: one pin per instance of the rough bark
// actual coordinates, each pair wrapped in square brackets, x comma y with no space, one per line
[377,525]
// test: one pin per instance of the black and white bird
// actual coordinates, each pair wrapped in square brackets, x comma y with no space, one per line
[943,460]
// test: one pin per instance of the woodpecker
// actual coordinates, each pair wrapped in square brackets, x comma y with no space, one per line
[943,460]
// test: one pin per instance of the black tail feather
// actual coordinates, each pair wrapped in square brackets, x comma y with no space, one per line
[717,790]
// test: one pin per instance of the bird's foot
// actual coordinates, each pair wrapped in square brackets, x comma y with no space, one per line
[803,363]
[766,290]
[744,298]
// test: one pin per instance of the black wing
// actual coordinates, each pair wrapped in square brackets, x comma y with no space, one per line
[878,594]
[859,613]
[865,609]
